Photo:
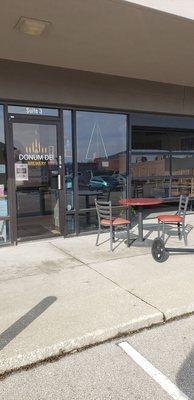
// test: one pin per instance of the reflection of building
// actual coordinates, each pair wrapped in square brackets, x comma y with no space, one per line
[161,167]
[150,168]
[115,162]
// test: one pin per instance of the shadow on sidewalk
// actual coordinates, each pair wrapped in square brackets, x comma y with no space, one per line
[15,329]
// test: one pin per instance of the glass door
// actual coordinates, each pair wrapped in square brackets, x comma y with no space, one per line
[38,179]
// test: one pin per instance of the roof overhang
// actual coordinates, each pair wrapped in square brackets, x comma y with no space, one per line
[116,37]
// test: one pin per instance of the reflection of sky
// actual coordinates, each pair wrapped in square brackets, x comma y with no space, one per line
[25,134]
[67,124]
[162,121]
[109,135]
[67,136]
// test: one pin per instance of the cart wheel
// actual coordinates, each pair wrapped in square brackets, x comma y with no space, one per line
[159,253]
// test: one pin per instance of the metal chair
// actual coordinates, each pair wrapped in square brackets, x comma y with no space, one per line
[105,219]
[178,219]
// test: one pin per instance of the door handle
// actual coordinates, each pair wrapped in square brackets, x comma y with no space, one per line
[59,182]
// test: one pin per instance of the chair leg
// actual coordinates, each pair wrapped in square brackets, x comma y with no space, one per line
[184,234]
[113,234]
[163,233]
[111,238]
[179,231]
[128,236]
[98,234]
[158,229]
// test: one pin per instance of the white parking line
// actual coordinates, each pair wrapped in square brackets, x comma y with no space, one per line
[160,378]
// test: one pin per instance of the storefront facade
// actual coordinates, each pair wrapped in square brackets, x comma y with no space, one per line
[96,100]
[68,137]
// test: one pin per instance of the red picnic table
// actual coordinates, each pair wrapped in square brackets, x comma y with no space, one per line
[140,203]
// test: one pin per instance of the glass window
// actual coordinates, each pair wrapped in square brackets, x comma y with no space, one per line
[32,110]
[150,165]
[4,211]
[88,221]
[150,175]
[68,157]
[36,179]
[4,231]
[183,174]
[70,223]
[183,164]
[3,169]
[162,155]
[101,154]
[158,132]
[151,187]
[69,170]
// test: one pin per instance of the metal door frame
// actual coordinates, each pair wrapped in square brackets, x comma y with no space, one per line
[40,120]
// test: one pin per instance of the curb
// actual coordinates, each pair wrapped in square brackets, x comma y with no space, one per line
[66,347]
[57,350]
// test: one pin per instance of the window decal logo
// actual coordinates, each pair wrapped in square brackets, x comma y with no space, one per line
[37,152]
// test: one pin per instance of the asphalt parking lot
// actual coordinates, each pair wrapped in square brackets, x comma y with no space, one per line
[107,372]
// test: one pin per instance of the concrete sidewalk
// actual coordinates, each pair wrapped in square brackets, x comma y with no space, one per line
[64,294]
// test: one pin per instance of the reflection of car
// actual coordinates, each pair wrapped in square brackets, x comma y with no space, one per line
[120,178]
[103,182]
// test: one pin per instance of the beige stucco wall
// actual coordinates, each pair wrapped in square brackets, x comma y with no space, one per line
[36,83]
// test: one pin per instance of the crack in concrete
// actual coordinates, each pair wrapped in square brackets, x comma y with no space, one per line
[129,292]
[68,254]
[115,283]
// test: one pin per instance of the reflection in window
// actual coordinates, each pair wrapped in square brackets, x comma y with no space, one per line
[183,169]
[36,183]
[169,172]
[69,171]
[70,223]
[157,132]
[88,221]
[156,175]
[4,225]
[150,175]
[151,187]
[4,231]
[68,157]
[101,155]
[150,165]
[183,164]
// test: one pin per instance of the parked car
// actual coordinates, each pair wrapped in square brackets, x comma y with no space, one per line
[103,183]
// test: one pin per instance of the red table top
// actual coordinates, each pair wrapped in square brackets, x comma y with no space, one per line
[142,201]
